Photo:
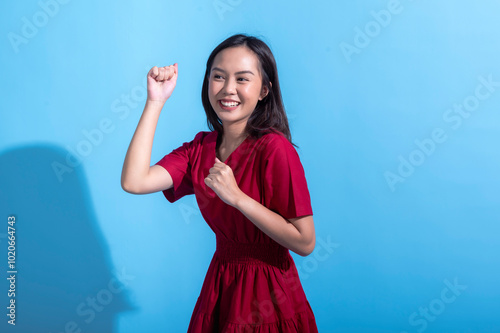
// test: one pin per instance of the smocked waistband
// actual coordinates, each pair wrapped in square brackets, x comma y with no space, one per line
[252,253]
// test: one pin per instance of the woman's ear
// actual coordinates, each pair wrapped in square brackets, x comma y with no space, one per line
[264,91]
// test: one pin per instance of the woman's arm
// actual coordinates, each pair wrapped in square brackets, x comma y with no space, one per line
[138,177]
[296,234]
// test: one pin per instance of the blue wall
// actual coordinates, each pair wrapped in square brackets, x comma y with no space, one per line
[395,107]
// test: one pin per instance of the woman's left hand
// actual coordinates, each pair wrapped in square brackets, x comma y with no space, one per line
[221,180]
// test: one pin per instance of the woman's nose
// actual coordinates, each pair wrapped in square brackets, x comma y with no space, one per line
[230,86]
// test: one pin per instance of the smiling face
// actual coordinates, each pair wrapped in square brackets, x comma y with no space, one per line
[235,85]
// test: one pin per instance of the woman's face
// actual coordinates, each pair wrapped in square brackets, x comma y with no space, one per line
[235,81]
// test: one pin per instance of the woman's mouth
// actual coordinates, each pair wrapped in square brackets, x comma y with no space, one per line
[229,106]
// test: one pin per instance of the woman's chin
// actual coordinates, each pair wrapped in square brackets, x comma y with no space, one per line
[230,119]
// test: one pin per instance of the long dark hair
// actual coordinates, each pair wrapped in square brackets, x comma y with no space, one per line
[269,114]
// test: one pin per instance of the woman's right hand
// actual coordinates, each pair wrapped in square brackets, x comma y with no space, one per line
[161,82]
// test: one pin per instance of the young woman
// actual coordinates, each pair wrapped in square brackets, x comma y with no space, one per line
[249,184]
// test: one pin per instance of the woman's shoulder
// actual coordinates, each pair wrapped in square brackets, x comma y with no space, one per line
[274,141]
[203,134]
[277,137]
[203,137]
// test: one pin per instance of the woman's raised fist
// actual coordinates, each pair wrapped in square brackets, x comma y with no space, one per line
[161,82]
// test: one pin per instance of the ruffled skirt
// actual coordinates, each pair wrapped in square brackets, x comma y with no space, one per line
[252,288]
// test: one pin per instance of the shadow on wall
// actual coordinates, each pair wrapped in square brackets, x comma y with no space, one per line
[65,281]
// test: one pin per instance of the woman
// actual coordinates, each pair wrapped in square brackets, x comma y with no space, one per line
[249,184]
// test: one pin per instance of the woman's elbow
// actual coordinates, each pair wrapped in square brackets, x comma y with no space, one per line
[307,249]
[127,187]
[307,242]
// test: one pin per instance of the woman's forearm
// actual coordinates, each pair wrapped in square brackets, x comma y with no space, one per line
[138,158]
[276,226]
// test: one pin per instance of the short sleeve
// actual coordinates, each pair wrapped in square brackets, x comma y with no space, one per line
[178,164]
[285,185]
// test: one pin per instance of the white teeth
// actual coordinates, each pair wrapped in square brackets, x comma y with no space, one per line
[230,104]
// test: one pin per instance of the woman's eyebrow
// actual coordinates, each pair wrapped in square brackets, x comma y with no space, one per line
[240,72]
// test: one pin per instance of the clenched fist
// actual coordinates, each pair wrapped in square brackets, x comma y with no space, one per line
[221,180]
[161,82]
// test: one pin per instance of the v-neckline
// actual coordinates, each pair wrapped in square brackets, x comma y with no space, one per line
[232,153]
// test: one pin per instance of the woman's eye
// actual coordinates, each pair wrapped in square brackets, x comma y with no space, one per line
[217,76]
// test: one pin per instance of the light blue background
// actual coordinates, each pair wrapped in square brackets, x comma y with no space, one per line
[393,250]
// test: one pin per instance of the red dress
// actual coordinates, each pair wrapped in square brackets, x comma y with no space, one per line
[252,284]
